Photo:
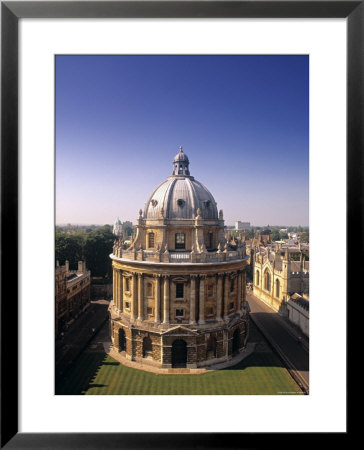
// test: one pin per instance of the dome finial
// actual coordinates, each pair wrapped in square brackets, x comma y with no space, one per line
[180,148]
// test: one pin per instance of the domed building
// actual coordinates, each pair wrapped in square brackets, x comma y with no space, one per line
[179,289]
[117,228]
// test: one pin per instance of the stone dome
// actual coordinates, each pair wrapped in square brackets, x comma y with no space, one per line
[180,196]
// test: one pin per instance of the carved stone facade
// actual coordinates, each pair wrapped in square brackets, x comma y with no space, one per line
[72,292]
[276,276]
[179,289]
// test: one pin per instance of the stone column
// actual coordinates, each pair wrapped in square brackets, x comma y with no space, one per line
[193,300]
[117,289]
[226,296]
[219,296]
[157,310]
[134,305]
[239,296]
[166,300]
[121,291]
[201,319]
[140,297]
[243,287]
[114,286]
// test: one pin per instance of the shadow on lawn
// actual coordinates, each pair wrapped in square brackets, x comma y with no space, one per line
[88,363]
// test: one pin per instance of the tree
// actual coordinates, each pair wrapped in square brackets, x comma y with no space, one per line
[275,236]
[69,247]
[305,237]
[97,248]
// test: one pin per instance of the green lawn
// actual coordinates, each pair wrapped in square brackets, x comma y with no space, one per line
[95,373]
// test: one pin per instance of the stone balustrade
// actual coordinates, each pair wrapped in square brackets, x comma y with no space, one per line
[181,257]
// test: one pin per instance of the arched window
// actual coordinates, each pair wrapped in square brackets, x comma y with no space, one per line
[147,347]
[122,340]
[277,288]
[257,278]
[211,347]
[150,240]
[267,280]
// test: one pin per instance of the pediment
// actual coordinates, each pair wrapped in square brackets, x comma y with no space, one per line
[181,331]
[179,280]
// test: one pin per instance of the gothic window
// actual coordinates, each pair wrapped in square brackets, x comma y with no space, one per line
[277,288]
[180,241]
[267,280]
[257,278]
[179,290]
[149,289]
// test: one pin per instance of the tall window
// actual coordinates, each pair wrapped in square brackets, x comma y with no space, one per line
[151,240]
[267,280]
[277,288]
[179,290]
[180,241]
[209,240]
[149,289]
[127,284]
[232,285]
[257,278]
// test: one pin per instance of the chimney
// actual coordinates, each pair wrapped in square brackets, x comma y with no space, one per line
[67,265]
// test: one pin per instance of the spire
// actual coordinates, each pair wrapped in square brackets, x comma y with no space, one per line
[181,163]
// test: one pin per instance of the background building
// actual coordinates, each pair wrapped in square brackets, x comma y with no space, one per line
[298,309]
[179,289]
[276,276]
[72,293]
[242,225]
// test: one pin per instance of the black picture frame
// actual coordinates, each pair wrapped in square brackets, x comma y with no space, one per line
[11,12]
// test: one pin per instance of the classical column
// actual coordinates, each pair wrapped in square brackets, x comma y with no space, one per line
[166,300]
[157,310]
[140,297]
[117,296]
[243,287]
[201,319]
[193,300]
[134,305]
[121,291]
[114,286]
[219,296]
[226,296]
[239,296]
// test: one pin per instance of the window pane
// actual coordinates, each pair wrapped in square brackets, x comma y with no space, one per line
[179,290]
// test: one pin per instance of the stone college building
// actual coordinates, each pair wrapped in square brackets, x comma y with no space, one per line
[179,288]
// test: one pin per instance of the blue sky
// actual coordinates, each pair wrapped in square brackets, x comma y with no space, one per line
[242,120]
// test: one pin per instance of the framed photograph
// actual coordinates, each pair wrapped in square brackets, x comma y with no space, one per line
[44,46]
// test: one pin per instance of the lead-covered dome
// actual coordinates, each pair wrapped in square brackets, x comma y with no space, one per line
[180,195]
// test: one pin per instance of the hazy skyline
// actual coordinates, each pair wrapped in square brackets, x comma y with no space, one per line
[242,121]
